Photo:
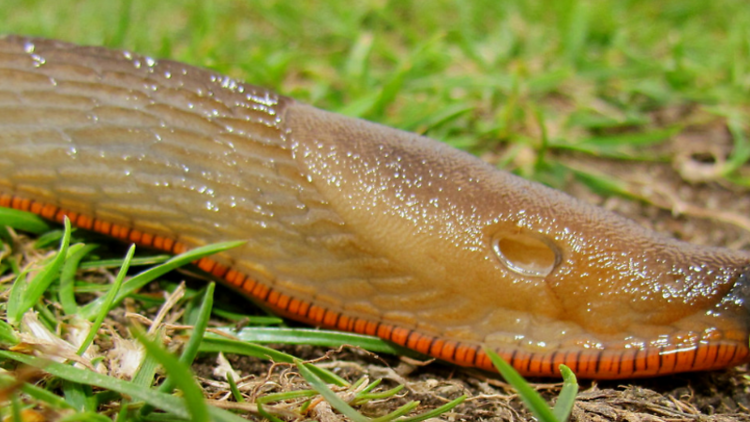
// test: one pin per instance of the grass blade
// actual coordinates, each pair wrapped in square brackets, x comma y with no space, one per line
[333,399]
[162,401]
[181,374]
[108,299]
[435,412]
[531,398]
[408,407]
[274,335]
[22,220]
[190,350]
[28,294]
[567,397]
[49,398]
[79,395]
[151,274]
[7,334]
[213,343]
[15,408]
[67,277]
[192,346]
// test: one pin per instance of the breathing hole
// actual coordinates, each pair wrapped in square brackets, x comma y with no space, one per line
[526,254]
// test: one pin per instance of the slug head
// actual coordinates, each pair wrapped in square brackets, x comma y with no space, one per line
[501,260]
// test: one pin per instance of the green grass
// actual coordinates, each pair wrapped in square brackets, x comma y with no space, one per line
[480,75]
[522,83]
[34,324]
[532,399]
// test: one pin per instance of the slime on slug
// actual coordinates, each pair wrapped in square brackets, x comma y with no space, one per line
[357,226]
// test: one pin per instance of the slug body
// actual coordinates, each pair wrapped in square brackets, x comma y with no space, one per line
[357,226]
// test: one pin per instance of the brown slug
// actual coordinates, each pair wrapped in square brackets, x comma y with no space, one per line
[356,226]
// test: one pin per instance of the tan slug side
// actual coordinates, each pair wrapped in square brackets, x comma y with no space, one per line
[358,226]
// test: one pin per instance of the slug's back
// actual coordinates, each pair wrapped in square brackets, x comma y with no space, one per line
[357,226]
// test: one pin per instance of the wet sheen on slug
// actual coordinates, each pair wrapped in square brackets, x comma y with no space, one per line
[357,226]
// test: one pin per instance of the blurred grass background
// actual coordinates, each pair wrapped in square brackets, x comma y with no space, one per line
[511,80]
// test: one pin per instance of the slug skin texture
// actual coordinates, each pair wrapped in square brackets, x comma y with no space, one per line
[356,226]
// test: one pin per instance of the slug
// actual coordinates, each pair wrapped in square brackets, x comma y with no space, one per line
[355,226]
